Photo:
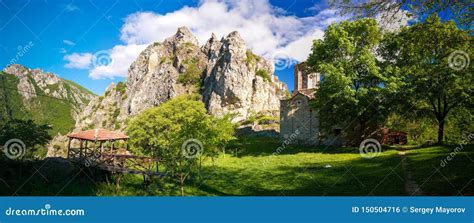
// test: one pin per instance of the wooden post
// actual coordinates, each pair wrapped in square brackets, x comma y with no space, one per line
[80,150]
[68,147]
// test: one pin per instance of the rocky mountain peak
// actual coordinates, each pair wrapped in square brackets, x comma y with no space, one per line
[17,70]
[229,77]
[183,35]
[34,82]
[212,47]
[234,38]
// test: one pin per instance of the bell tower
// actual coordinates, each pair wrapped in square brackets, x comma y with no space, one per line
[303,79]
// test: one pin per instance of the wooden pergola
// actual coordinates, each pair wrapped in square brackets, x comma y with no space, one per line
[92,151]
[97,137]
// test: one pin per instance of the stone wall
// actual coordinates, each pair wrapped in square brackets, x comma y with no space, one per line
[297,116]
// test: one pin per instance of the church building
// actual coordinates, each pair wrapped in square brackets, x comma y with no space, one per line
[298,118]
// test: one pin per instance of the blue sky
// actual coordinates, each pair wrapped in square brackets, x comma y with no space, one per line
[93,42]
[58,29]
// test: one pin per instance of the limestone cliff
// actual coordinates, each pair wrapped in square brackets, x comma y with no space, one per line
[41,96]
[230,78]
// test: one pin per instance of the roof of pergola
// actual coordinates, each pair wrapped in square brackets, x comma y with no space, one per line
[97,135]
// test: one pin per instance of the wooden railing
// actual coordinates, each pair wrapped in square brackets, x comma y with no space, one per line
[115,162]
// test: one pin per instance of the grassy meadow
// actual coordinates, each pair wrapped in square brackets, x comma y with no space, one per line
[252,169]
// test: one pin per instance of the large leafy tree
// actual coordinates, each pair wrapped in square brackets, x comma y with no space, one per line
[432,60]
[353,92]
[461,11]
[179,132]
[28,133]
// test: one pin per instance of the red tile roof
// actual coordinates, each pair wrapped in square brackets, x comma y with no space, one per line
[97,135]
[307,92]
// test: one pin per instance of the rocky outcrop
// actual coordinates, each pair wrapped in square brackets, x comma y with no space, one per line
[33,83]
[238,81]
[230,78]
[42,97]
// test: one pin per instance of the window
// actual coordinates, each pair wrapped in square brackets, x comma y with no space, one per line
[298,103]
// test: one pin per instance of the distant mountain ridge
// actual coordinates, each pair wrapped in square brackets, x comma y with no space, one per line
[41,96]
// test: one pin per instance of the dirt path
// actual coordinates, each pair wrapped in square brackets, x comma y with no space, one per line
[411,187]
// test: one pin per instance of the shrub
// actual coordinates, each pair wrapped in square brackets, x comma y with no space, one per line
[264,74]
[120,87]
[251,58]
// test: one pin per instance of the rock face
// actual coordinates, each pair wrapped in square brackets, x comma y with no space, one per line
[42,97]
[33,80]
[230,78]
[239,81]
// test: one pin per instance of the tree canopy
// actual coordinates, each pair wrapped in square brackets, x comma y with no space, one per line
[419,72]
[461,11]
[28,132]
[432,61]
[353,90]
[179,132]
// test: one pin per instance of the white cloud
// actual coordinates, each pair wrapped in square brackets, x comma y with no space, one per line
[301,48]
[392,21]
[69,42]
[263,27]
[115,62]
[71,7]
[266,30]
[78,60]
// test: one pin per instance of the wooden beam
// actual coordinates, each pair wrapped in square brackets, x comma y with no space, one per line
[80,150]
[68,147]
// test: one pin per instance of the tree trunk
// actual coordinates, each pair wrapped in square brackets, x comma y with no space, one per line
[181,181]
[440,131]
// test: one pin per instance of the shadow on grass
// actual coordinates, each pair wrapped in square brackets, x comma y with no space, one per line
[49,177]
[264,146]
[440,170]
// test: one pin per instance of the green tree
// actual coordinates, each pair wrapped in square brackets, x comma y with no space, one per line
[432,61]
[461,11]
[354,89]
[180,133]
[28,132]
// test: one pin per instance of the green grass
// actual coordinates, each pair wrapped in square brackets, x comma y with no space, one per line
[81,88]
[249,168]
[454,177]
